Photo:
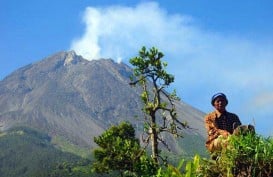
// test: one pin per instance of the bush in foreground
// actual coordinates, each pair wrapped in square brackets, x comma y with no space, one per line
[248,155]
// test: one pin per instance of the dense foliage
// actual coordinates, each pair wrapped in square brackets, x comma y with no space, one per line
[75,169]
[119,151]
[26,152]
[248,155]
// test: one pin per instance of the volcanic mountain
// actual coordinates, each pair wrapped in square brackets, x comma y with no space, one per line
[69,97]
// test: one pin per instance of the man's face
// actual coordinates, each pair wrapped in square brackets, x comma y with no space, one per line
[220,104]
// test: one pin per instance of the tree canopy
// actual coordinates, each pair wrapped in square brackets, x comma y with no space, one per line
[119,150]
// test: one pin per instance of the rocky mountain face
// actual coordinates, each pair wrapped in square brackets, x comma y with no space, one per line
[67,96]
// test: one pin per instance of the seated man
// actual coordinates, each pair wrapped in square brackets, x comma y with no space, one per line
[219,123]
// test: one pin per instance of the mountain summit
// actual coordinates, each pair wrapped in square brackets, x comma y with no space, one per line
[67,96]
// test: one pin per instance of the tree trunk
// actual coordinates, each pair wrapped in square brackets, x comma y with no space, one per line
[154,142]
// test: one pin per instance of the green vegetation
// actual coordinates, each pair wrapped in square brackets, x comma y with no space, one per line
[158,105]
[119,151]
[66,146]
[245,155]
[184,169]
[74,169]
[26,152]
[248,155]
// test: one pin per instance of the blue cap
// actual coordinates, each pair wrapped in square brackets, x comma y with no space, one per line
[218,95]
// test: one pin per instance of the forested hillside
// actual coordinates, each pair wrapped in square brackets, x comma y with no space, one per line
[26,152]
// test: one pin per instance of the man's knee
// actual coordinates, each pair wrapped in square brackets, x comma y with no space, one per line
[244,129]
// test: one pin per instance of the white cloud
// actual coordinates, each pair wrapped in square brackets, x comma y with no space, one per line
[202,61]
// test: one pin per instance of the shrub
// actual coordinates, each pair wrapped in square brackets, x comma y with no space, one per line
[245,155]
[184,169]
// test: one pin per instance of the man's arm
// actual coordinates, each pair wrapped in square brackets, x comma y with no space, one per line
[212,129]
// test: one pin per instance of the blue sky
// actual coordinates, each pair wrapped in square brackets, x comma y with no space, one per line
[210,45]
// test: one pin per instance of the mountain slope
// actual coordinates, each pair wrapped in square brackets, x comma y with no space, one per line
[67,96]
[26,152]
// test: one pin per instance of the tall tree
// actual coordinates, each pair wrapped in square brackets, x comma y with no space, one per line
[159,108]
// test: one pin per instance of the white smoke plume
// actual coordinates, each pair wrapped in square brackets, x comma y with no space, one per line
[119,31]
